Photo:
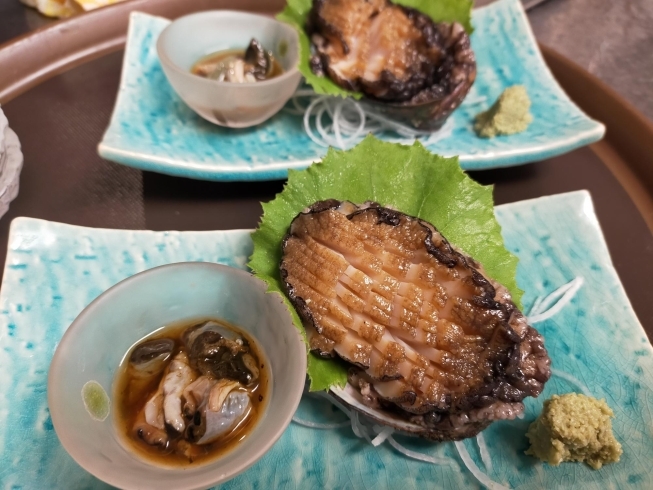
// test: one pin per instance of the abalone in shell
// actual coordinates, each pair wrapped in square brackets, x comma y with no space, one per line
[407,66]
[429,336]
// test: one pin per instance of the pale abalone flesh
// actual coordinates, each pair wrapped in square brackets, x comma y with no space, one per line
[432,341]
[407,66]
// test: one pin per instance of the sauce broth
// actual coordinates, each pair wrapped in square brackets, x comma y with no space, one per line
[131,395]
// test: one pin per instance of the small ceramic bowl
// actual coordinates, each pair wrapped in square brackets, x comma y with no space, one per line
[235,105]
[11,163]
[94,345]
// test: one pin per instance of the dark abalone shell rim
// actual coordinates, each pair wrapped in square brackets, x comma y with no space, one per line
[384,417]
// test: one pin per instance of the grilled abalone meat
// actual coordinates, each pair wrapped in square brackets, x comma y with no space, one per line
[432,340]
[414,69]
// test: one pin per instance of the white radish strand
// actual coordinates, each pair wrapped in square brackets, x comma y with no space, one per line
[307,124]
[570,379]
[299,109]
[474,100]
[478,474]
[440,461]
[318,425]
[555,301]
[382,435]
[344,122]
[485,454]
[535,309]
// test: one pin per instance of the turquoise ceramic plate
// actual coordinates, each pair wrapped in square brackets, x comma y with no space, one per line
[54,270]
[152,129]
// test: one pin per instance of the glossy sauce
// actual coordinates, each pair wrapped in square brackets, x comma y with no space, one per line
[129,403]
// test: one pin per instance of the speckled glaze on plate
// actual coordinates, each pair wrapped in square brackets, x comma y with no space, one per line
[54,270]
[152,129]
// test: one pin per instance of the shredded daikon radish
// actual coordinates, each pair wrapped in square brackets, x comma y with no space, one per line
[382,436]
[344,122]
[569,378]
[357,426]
[375,434]
[485,454]
[469,100]
[471,466]
[555,301]
[318,425]
[419,456]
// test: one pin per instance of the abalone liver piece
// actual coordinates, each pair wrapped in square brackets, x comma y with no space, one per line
[407,66]
[430,337]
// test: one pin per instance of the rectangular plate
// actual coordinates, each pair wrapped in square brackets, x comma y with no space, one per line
[54,270]
[152,129]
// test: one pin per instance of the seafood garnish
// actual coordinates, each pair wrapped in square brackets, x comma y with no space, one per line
[218,422]
[436,347]
[147,362]
[153,436]
[219,352]
[259,60]
[253,64]
[164,407]
[219,393]
[213,408]
[149,358]
[343,123]
[202,395]
[153,410]
[195,393]
[179,376]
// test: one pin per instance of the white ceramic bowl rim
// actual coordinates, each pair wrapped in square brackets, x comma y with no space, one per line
[4,124]
[80,456]
[281,78]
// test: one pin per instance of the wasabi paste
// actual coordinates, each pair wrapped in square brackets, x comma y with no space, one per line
[574,427]
[508,115]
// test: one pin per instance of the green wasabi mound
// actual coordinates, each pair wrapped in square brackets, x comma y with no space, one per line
[574,427]
[508,115]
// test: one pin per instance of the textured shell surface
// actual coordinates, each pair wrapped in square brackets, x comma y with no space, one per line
[431,339]
[409,67]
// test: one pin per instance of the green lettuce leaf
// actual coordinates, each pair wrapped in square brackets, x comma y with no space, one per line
[407,178]
[296,13]
[444,10]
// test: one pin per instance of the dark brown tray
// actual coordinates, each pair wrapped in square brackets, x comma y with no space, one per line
[58,86]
